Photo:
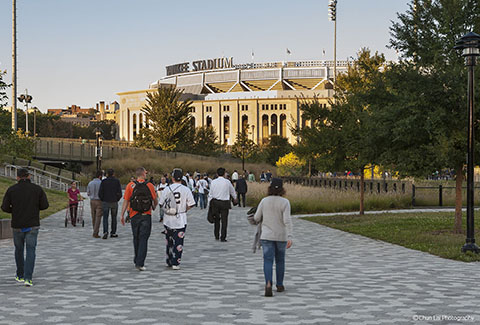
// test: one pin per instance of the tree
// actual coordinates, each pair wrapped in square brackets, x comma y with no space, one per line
[3,87]
[244,148]
[425,36]
[169,118]
[342,136]
[205,142]
[276,147]
[17,145]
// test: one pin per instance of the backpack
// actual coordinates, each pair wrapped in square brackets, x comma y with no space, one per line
[170,204]
[141,200]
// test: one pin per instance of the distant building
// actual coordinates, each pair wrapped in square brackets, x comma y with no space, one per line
[72,110]
[107,112]
[261,99]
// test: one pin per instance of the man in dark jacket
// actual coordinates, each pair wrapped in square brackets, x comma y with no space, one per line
[110,193]
[241,188]
[24,201]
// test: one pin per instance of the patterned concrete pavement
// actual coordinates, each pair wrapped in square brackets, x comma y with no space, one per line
[332,278]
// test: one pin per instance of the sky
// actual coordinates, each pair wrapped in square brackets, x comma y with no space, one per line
[82,52]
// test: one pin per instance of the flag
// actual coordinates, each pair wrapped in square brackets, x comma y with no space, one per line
[288,51]
[323,51]
[253,54]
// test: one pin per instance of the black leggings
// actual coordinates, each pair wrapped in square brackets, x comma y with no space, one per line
[73,212]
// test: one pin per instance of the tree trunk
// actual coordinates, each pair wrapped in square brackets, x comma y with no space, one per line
[458,200]
[362,191]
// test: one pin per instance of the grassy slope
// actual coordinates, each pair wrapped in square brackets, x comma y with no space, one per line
[427,232]
[58,200]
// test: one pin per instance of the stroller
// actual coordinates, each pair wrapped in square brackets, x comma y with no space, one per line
[68,217]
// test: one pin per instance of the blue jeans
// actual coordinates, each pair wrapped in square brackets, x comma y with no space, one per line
[25,265]
[203,200]
[107,207]
[141,229]
[195,197]
[274,250]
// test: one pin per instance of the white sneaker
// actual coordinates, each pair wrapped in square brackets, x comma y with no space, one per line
[175,267]
[141,268]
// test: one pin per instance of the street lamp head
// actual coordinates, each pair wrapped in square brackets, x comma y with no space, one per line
[469,44]
[333,10]
[21,98]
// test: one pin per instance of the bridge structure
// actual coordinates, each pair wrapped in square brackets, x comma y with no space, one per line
[58,150]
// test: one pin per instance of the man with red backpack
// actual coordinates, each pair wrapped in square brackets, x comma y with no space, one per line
[140,199]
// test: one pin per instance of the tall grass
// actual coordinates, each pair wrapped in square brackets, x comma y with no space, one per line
[305,199]
[125,167]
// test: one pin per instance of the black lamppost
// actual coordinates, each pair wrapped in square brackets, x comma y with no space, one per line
[470,46]
[27,99]
[98,147]
[35,109]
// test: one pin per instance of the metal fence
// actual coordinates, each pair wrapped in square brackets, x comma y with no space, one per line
[59,149]
[61,172]
[39,177]
[372,186]
[440,195]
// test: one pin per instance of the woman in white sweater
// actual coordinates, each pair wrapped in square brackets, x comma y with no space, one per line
[274,214]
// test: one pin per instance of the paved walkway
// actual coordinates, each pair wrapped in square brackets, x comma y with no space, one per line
[332,278]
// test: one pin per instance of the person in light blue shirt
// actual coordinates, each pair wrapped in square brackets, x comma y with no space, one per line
[95,203]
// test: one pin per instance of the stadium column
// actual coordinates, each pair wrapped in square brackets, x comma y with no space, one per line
[258,124]
[238,122]
[220,131]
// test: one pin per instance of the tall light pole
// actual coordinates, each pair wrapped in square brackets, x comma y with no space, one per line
[98,147]
[333,17]
[14,65]
[28,99]
[35,109]
[470,46]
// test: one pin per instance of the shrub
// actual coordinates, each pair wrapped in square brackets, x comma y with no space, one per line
[290,165]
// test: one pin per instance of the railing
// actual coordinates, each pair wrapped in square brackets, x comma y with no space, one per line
[39,166]
[39,177]
[439,195]
[59,149]
[372,186]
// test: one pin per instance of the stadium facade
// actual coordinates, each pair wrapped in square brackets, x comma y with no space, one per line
[264,97]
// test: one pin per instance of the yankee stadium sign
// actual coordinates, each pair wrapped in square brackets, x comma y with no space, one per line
[199,65]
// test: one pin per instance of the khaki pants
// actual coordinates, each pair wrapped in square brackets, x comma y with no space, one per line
[97,213]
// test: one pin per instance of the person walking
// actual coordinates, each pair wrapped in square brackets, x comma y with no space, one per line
[221,190]
[175,223]
[95,203]
[73,199]
[234,177]
[140,199]
[202,186]
[241,188]
[24,201]
[268,176]
[163,184]
[273,212]
[251,177]
[110,193]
